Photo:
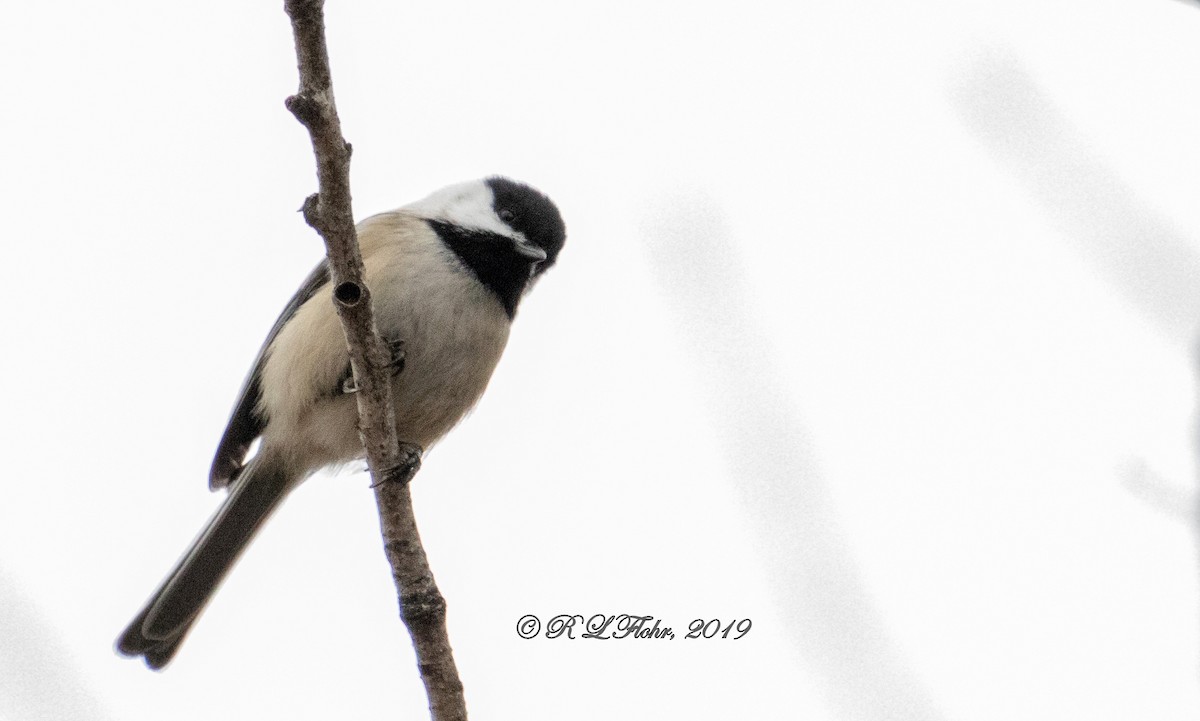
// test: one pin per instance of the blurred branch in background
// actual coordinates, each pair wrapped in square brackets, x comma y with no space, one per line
[38,677]
[834,625]
[1144,482]
[1141,254]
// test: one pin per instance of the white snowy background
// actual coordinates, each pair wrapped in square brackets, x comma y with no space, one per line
[877,325]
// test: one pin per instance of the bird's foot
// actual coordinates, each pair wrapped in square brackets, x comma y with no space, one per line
[407,467]
[396,357]
[396,352]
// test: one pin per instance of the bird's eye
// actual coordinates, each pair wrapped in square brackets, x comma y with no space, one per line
[506,215]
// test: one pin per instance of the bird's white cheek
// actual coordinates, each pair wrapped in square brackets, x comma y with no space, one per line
[468,205]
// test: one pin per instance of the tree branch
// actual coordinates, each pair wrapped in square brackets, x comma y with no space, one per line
[391,462]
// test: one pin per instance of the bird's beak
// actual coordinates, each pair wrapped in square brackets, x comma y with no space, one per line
[530,251]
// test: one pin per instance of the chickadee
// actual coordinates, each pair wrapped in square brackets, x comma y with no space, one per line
[446,275]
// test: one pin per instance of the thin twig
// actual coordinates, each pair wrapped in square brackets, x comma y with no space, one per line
[392,463]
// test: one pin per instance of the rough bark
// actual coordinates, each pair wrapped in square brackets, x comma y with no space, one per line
[391,462]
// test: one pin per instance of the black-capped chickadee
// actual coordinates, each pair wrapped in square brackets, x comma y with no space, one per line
[446,275]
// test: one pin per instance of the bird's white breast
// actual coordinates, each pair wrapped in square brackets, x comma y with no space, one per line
[454,331]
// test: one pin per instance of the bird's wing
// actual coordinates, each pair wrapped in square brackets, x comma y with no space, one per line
[246,424]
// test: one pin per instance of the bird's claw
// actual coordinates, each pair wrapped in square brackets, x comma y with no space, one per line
[396,351]
[396,357]
[406,468]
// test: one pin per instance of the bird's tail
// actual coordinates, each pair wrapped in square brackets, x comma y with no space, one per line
[159,629]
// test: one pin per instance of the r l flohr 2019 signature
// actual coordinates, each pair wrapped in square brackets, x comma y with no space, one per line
[617,626]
